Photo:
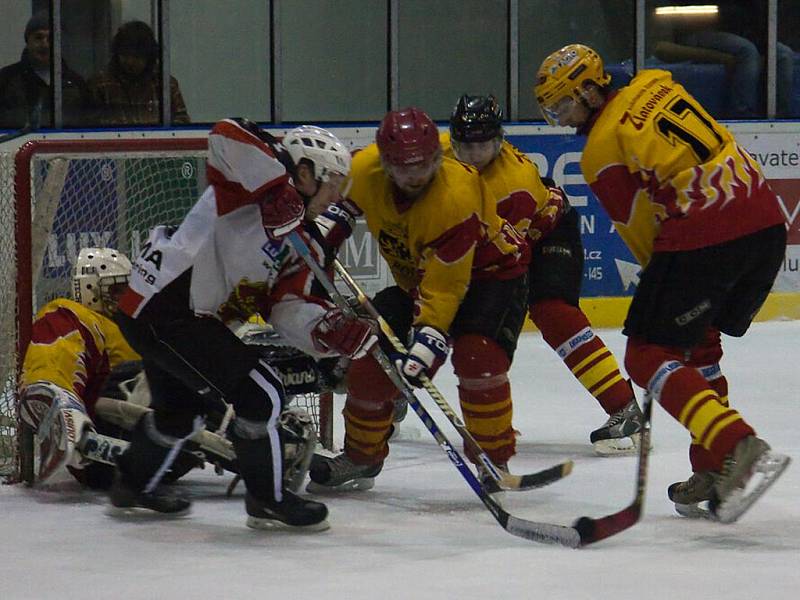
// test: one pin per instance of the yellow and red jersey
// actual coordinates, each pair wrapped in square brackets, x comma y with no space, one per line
[670,176]
[515,184]
[75,348]
[442,240]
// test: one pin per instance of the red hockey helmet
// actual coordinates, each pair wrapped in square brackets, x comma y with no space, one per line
[407,136]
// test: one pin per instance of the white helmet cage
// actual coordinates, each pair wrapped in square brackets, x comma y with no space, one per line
[321,147]
[96,271]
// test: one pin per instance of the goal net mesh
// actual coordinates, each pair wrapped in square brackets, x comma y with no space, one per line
[81,194]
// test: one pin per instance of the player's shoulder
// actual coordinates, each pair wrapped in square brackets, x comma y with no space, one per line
[447,144]
[366,174]
[512,158]
[456,177]
[365,159]
[74,311]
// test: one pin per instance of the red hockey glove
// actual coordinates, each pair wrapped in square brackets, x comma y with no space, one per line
[348,336]
[549,215]
[282,210]
[427,351]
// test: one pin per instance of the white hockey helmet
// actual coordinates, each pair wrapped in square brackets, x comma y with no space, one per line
[96,271]
[321,147]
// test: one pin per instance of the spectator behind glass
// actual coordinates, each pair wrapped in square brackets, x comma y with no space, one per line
[129,92]
[740,35]
[26,99]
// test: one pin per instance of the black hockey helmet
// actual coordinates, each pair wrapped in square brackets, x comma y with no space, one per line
[476,119]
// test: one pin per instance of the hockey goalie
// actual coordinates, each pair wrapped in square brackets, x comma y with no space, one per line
[83,388]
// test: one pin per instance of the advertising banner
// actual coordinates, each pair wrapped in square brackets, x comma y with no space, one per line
[610,269]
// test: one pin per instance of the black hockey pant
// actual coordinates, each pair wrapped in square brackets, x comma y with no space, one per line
[195,366]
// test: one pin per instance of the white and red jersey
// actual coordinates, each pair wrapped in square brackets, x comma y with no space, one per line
[223,241]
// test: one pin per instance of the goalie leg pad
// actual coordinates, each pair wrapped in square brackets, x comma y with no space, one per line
[299,438]
[59,419]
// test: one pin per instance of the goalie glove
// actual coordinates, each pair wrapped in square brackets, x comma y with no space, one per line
[427,351]
[546,219]
[339,334]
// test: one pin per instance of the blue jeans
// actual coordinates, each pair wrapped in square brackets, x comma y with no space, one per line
[745,78]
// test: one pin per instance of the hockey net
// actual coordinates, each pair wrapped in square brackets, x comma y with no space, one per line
[58,196]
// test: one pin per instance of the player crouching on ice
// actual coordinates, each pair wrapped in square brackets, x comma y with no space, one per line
[83,388]
[74,347]
[233,236]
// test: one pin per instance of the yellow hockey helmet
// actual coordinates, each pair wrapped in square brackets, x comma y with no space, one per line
[563,75]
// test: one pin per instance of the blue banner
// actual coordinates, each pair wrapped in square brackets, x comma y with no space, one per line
[609,269]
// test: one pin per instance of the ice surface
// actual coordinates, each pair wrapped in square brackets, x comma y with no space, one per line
[421,532]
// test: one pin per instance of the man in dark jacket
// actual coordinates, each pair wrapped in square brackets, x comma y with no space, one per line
[26,99]
[129,91]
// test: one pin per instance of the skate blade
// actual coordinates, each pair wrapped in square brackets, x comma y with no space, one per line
[356,485]
[694,511]
[140,513]
[276,525]
[626,446]
[767,469]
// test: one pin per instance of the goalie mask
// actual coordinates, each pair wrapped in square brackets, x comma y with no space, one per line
[328,155]
[100,274]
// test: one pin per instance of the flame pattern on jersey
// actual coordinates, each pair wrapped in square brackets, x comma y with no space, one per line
[521,197]
[75,348]
[441,240]
[671,177]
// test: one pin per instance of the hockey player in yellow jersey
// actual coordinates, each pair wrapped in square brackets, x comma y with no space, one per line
[697,213]
[461,278]
[73,348]
[541,211]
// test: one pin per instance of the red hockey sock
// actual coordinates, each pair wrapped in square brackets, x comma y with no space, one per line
[485,395]
[567,330]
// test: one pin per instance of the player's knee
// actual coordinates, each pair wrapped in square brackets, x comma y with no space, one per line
[643,360]
[476,356]
[557,320]
[367,383]
[709,351]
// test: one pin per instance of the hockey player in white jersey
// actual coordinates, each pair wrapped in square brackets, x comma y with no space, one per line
[232,238]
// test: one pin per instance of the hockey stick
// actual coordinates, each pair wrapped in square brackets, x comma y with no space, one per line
[502,480]
[530,530]
[593,530]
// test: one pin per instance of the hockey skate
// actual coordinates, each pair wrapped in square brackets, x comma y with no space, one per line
[621,433]
[691,497]
[340,474]
[293,511]
[746,474]
[400,410]
[126,501]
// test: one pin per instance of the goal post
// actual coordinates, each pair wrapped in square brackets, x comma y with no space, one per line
[58,196]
